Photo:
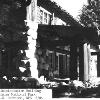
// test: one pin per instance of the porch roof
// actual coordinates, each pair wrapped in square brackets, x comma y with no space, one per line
[67,33]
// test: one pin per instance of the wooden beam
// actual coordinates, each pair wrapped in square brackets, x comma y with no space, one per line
[49,43]
[68,31]
[60,50]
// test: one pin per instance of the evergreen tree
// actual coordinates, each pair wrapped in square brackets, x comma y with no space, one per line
[90,16]
[12,31]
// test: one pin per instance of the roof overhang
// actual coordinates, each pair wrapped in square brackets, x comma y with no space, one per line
[53,7]
[67,33]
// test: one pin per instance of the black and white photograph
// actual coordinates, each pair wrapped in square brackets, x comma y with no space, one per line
[49,49]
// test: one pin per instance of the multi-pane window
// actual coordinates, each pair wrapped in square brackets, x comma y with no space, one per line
[41,16]
[45,18]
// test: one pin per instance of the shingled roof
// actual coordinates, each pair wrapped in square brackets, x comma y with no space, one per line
[53,7]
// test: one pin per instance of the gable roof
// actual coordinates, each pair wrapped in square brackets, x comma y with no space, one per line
[58,11]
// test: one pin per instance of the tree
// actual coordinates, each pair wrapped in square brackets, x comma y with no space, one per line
[90,16]
[12,27]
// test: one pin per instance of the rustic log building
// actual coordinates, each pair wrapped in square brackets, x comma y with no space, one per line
[61,45]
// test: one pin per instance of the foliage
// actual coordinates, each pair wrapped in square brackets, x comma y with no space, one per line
[90,15]
[13,32]
[13,13]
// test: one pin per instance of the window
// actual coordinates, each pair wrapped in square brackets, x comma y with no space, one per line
[45,18]
[41,16]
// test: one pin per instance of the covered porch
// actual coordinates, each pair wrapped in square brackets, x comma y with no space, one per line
[68,50]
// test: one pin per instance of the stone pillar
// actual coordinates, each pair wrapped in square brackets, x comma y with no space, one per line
[30,53]
[32,32]
[73,62]
[86,64]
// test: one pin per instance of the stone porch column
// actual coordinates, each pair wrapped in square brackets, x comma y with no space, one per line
[32,32]
[30,53]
